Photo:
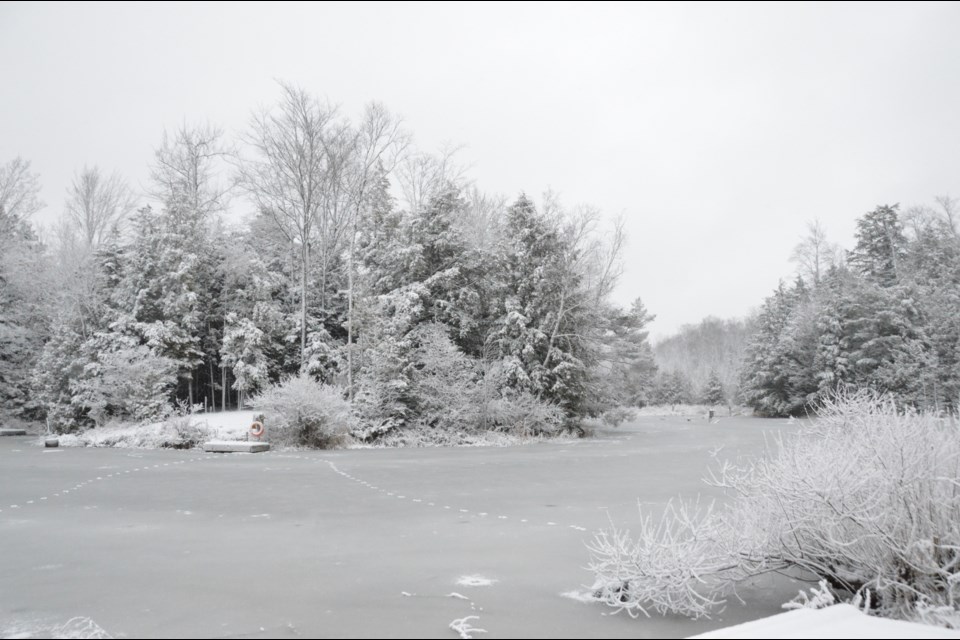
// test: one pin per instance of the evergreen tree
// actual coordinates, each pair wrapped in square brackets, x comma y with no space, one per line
[541,331]
[23,317]
[629,358]
[881,246]
[713,393]
[773,382]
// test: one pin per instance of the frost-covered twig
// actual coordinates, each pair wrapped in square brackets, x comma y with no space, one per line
[820,597]
[80,627]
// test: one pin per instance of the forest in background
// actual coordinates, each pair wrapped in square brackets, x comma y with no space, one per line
[375,271]
[883,316]
[383,277]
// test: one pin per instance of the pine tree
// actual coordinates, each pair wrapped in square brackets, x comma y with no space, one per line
[541,331]
[713,392]
[629,358]
[881,246]
[24,321]
[244,351]
[777,377]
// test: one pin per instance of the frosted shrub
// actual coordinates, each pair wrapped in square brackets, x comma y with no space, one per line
[866,498]
[524,414]
[303,412]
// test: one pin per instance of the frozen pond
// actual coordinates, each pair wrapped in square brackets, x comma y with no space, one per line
[359,543]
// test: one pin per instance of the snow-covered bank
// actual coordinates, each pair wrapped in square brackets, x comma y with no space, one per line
[174,433]
[192,431]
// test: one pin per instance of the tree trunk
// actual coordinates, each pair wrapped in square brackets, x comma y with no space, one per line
[213,387]
[305,252]
[556,328]
[353,239]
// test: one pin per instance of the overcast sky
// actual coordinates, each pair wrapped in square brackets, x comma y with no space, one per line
[717,131]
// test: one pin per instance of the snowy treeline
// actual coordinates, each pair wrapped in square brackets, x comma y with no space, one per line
[702,362]
[376,270]
[886,318]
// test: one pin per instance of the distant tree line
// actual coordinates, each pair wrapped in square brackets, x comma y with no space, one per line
[701,363]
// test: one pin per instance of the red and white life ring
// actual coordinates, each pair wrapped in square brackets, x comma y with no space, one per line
[256,429]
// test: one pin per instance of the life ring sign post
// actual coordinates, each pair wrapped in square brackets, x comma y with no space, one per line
[257,430]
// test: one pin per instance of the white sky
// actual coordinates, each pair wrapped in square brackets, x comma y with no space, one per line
[718,131]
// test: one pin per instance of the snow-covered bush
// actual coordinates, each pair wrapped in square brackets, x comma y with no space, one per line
[178,431]
[524,414]
[303,412]
[865,497]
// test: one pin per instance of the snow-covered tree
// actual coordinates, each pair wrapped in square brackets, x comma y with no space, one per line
[628,360]
[122,380]
[881,246]
[23,321]
[295,176]
[713,392]
[97,205]
[243,350]
[776,380]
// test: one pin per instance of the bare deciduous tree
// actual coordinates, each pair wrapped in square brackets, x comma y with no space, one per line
[289,178]
[97,205]
[950,210]
[18,190]
[185,170]
[815,254]
[422,176]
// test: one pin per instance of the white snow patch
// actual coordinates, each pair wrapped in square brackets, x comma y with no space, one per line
[580,596]
[475,581]
[458,596]
[198,427]
[838,621]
